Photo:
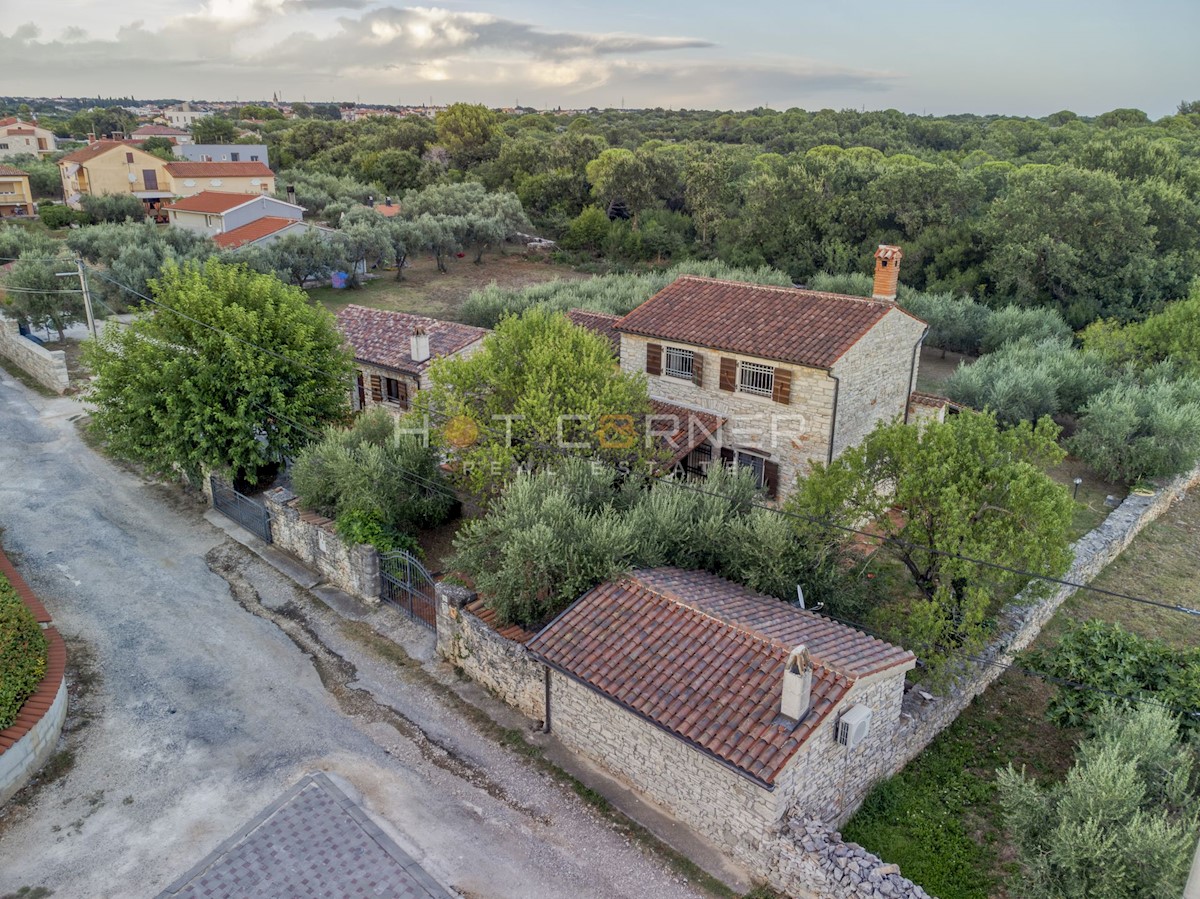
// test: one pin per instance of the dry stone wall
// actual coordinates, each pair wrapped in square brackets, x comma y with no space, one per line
[47,367]
[312,540]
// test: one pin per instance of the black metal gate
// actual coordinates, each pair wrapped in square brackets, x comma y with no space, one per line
[405,582]
[251,515]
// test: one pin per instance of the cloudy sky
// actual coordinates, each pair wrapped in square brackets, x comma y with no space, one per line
[1023,57]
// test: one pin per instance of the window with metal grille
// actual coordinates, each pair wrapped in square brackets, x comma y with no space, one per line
[755,378]
[695,463]
[754,464]
[678,363]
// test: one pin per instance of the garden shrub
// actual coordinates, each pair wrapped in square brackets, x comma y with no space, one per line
[1019,323]
[60,216]
[23,653]
[956,323]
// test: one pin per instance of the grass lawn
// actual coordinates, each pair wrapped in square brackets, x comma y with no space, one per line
[939,819]
[1090,508]
[426,291]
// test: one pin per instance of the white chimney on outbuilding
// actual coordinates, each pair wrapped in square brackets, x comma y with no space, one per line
[420,345]
[797,684]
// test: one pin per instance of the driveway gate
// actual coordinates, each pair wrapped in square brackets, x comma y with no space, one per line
[251,515]
[404,582]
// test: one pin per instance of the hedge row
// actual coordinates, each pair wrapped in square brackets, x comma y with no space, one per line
[23,653]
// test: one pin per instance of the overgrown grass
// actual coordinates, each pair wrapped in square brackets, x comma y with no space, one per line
[939,818]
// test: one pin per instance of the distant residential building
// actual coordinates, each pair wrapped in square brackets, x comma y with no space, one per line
[16,198]
[217,213]
[190,178]
[174,135]
[223,152]
[184,115]
[107,167]
[393,351]
[18,138]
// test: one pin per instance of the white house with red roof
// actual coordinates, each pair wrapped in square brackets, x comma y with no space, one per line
[20,138]
[215,212]
[174,135]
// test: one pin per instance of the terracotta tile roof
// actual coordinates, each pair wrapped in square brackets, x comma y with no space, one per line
[158,131]
[786,324]
[388,211]
[212,201]
[92,150]
[692,427]
[602,323]
[251,231]
[703,659]
[380,337]
[218,170]
[667,646]
[930,399]
[514,632]
[11,170]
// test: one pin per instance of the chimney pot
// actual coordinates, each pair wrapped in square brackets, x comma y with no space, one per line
[887,272]
[419,343]
[91,137]
[797,684]
[291,194]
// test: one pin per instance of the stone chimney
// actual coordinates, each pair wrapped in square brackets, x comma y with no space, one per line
[420,345]
[91,137]
[797,684]
[887,272]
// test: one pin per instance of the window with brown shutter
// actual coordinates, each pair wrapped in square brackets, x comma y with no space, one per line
[654,358]
[781,391]
[770,478]
[376,389]
[727,457]
[728,380]
[698,369]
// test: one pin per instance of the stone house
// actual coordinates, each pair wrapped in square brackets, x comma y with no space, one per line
[796,375]
[393,352]
[18,138]
[730,709]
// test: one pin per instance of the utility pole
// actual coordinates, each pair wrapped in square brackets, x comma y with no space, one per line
[1191,889]
[81,273]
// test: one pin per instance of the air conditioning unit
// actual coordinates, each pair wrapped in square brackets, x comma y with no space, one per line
[853,726]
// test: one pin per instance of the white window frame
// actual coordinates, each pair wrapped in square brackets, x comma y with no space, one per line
[756,378]
[683,363]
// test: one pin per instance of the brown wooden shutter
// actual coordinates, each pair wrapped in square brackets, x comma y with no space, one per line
[771,479]
[728,374]
[726,457]
[403,393]
[376,389]
[781,391]
[654,358]
[698,369]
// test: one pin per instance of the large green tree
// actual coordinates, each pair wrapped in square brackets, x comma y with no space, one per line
[539,389]
[229,371]
[964,487]
[470,133]
[214,129]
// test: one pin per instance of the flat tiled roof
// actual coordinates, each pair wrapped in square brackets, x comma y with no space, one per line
[212,201]
[380,337]
[785,324]
[255,230]
[703,659]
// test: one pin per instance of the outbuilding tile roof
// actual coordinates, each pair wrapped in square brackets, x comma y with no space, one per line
[380,337]
[251,231]
[785,324]
[218,170]
[601,322]
[687,427]
[703,659]
[212,201]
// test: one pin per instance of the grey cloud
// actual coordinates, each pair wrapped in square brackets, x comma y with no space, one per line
[73,33]
[311,5]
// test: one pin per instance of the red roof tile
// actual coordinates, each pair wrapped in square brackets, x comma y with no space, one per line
[930,399]
[388,211]
[785,324]
[688,427]
[212,201]
[380,337]
[158,131]
[703,659]
[601,322]
[251,231]
[218,170]
[98,148]
[480,609]
[10,170]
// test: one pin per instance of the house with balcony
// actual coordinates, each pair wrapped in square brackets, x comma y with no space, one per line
[106,167]
[393,352]
[19,138]
[16,197]
[795,376]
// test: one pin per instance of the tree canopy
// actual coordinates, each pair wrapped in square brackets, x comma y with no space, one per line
[230,372]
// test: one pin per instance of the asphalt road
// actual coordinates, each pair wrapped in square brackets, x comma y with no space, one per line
[211,684]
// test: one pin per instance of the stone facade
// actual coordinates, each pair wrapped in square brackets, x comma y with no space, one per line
[870,383]
[312,540]
[47,367]
[500,664]
[374,389]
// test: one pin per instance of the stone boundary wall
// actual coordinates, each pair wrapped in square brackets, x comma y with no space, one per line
[27,744]
[47,367]
[1020,623]
[311,539]
[491,660]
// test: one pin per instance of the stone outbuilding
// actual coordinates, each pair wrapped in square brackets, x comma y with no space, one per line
[731,709]
[393,352]
[796,375]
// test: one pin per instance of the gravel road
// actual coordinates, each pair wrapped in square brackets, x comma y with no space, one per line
[205,684]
